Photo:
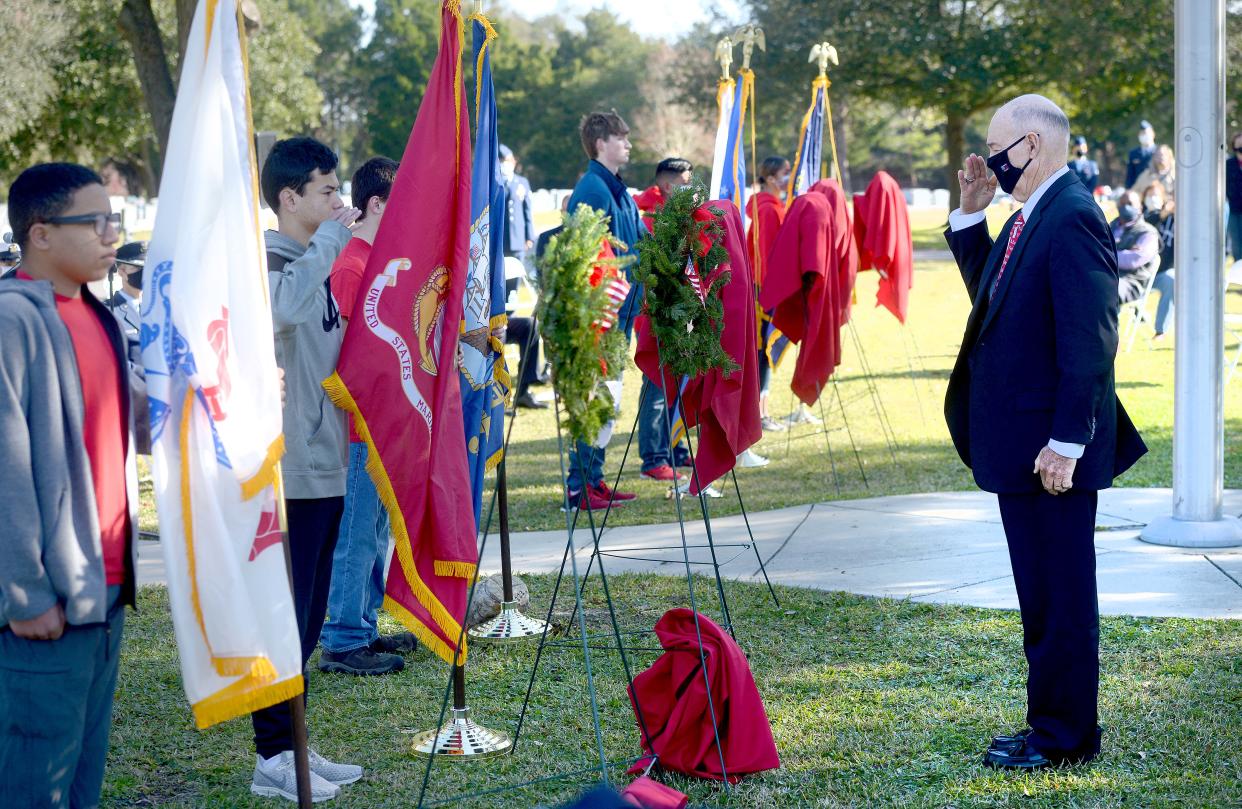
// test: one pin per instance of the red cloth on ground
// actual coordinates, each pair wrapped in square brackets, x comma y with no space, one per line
[345,278]
[671,698]
[105,426]
[724,408]
[882,227]
[650,202]
[802,287]
[767,212]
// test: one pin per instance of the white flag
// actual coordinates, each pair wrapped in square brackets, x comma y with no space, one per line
[214,393]
[724,109]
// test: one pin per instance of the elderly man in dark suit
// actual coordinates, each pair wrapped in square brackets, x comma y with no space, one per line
[1033,411]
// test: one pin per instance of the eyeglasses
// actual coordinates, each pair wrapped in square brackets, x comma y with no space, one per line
[101,221]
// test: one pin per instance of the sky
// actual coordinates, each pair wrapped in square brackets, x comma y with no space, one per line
[655,18]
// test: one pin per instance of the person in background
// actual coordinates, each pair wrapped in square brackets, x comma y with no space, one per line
[1140,155]
[672,173]
[126,304]
[68,492]
[605,139]
[765,212]
[120,178]
[1087,170]
[1138,248]
[351,642]
[299,182]
[519,215]
[1233,192]
[1158,212]
[1162,169]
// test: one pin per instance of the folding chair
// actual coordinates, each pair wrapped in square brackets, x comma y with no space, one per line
[1138,313]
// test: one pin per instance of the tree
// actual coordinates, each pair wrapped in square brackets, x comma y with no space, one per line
[395,68]
[27,73]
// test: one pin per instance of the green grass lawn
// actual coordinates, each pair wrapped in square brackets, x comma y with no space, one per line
[873,703]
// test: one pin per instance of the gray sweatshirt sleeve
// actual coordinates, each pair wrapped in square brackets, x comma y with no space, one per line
[25,587]
[294,286]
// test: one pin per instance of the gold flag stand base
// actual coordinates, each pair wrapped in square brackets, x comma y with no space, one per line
[461,738]
[509,626]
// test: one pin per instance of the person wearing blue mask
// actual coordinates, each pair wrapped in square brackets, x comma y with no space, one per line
[1033,411]
[1138,248]
[1140,156]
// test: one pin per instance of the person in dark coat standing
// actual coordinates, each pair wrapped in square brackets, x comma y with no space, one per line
[1032,409]
[1087,170]
[1233,192]
[519,215]
[1140,156]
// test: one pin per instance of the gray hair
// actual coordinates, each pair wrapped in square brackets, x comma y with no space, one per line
[1036,113]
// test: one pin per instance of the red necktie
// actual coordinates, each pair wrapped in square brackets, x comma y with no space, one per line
[1013,239]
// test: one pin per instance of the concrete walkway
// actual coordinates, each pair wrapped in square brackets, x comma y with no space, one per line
[945,548]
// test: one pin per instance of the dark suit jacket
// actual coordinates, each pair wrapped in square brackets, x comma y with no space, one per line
[1037,360]
[519,216]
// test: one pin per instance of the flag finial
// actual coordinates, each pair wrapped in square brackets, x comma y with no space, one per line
[724,55]
[750,35]
[824,53]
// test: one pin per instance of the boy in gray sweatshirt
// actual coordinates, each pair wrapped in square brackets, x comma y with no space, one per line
[300,184]
[68,492]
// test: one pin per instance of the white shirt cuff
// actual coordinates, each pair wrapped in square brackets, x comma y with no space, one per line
[1066,450]
[961,221]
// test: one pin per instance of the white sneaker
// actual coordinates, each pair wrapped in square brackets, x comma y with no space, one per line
[771,425]
[276,777]
[750,459]
[333,773]
[710,490]
[802,416]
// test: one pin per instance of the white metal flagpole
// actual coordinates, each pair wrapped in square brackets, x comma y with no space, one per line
[1198,410]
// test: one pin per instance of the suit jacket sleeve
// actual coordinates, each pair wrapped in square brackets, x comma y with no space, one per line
[1083,279]
[971,247]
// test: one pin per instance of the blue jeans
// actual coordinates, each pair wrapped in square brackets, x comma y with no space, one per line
[357,590]
[1164,311]
[56,711]
[653,433]
[1235,235]
[588,458]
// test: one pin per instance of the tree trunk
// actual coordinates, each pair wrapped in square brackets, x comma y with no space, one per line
[138,26]
[185,18]
[955,151]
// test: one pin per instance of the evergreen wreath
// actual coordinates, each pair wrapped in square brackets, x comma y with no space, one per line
[688,328]
[571,310]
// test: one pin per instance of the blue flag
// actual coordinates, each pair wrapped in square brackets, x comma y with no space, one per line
[484,380]
[808,159]
[733,175]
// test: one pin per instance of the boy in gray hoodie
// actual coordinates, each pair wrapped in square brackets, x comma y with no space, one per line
[300,184]
[68,492]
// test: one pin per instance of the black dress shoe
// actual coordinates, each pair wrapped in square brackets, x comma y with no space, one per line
[1010,742]
[397,643]
[526,400]
[1022,757]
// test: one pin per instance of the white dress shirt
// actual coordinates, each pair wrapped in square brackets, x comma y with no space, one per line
[961,221]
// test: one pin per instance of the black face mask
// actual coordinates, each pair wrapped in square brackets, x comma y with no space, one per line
[1081,152]
[1007,176]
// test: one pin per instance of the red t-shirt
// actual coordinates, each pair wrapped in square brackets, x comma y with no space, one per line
[105,428]
[345,279]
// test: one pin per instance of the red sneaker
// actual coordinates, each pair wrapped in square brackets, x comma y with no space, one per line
[663,472]
[605,491]
[589,500]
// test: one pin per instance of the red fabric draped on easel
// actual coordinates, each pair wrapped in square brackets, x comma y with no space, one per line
[843,244]
[802,287]
[882,227]
[725,408]
[765,212]
[672,697]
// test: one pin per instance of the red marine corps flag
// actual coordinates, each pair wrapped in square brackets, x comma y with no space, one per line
[398,371]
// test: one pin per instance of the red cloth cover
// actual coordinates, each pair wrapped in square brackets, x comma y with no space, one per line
[844,245]
[672,698]
[725,408]
[802,288]
[650,202]
[766,212]
[882,227]
[647,793]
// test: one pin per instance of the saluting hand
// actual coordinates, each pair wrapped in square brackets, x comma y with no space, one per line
[978,188]
[1056,472]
